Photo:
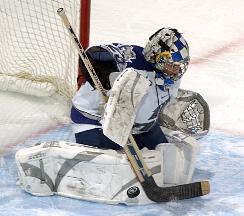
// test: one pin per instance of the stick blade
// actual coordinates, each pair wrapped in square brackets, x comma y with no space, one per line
[205,186]
[178,192]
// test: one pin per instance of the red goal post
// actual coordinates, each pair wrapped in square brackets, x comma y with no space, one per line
[85,11]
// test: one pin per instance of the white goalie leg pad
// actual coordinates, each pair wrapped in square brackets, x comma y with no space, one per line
[84,172]
[120,112]
[179,156]
[32,177]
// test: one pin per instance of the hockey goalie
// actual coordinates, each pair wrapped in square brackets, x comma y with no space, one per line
[144,99]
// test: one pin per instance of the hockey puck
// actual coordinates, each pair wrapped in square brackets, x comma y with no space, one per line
[133,192]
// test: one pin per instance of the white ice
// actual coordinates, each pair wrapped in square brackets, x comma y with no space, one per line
[215,33]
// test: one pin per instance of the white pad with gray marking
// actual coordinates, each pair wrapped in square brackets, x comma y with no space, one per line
[88,173]
[179,157]
[82,172]
[120,112]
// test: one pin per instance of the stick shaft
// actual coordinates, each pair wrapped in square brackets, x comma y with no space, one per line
[82,53]
[136,158]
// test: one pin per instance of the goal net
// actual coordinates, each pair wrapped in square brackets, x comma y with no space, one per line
[37,56]
[38,67]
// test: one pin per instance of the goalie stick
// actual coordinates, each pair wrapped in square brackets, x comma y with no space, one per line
[152,190]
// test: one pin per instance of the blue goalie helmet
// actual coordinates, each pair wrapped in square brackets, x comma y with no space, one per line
[168,52]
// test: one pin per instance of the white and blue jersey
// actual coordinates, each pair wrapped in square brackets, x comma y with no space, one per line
[88,102]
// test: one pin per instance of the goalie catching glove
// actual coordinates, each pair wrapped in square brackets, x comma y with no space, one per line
[188,113]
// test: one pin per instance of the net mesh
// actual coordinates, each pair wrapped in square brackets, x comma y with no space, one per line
[35,47]
[38,70]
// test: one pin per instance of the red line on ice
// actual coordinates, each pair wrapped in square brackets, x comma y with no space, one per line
[228,47]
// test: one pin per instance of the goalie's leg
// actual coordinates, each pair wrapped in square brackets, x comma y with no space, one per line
[151,138]
[96,138]
[89,132]
[179,156]
[178,150]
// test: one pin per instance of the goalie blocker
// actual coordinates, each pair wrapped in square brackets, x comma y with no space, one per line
[88,173]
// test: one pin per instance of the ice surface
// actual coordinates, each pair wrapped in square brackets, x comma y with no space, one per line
[215,32]
[221,161]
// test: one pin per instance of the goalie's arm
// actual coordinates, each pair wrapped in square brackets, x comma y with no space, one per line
[103,70]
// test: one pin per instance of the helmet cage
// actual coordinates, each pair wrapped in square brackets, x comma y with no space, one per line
[168,52]
[170,68]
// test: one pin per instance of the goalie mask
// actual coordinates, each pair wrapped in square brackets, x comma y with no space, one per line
[168,52]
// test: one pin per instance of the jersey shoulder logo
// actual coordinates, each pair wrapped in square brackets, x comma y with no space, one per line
[121,53]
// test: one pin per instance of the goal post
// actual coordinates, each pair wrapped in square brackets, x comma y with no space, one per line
[85,12]
[37,55]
